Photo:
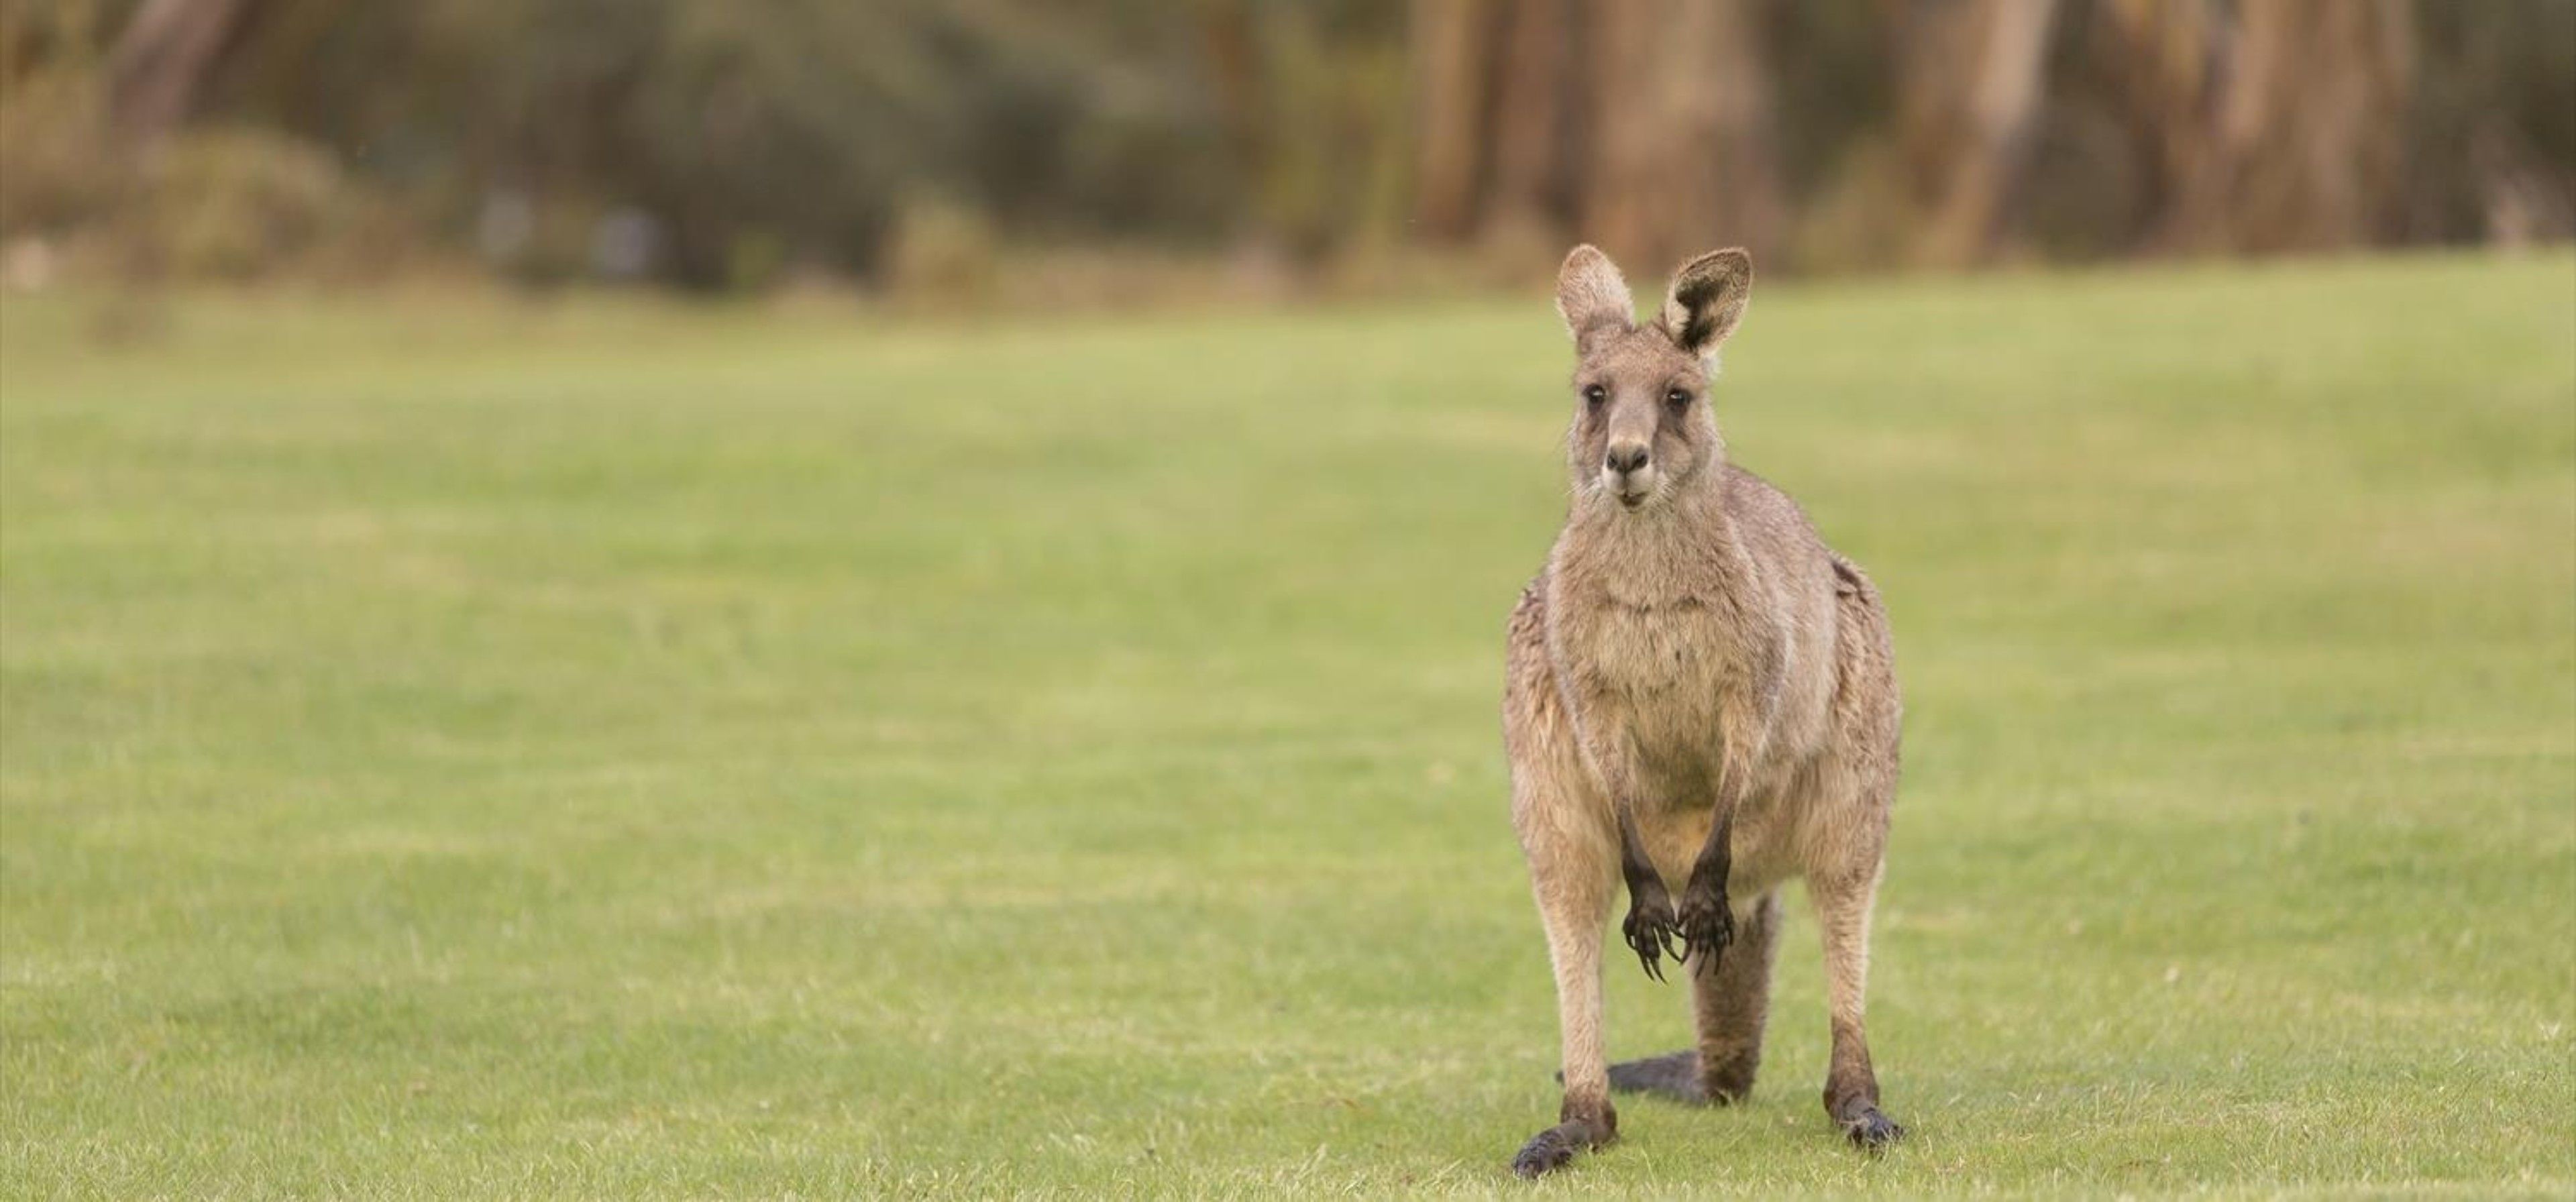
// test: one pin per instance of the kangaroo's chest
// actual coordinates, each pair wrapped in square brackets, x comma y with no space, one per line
[1671,651]
[1657,674]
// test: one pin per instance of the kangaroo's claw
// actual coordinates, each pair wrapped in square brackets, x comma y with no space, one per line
[1651,933]
[1707,927]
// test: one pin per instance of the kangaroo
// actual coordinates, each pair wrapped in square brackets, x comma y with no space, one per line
[1698,694]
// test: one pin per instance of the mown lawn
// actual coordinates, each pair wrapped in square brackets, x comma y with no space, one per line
[611,749]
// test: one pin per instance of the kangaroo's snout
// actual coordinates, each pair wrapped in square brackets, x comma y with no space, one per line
[1629,470]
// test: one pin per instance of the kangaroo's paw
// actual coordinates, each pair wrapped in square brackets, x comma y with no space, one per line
[1707,926]
[1651,930]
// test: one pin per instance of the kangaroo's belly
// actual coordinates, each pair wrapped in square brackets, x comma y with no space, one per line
[1761,845]
[1662,691]
[1668,702]
[1657,682]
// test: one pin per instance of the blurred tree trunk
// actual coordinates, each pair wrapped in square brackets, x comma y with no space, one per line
[1538,122]
[1643,125]
[2280,127]
[1967,106]
[160,61]
[1453,72]
[1682,155]
[2163,58]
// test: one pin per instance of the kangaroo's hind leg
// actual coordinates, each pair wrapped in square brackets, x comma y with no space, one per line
[1851,1084]
[1571,841]
[1730,1003]
[1842,881]
[1848,851]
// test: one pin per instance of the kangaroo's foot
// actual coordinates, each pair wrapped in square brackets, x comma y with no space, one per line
[1730,1081]
[1707,925]
[1863,1124]
[1650,927]
[1550,1150]
[1585,1127]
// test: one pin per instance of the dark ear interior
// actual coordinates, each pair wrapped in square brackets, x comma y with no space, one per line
[1708,298]
[1592,296]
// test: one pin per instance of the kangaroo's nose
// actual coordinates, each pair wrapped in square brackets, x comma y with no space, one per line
[1627,457]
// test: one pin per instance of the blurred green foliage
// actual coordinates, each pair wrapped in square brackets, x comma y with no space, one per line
[803,129]
[732,143]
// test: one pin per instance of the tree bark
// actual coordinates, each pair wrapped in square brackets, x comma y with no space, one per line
[1682,158]
[2281,128]
[160,62]
[1968,105]
[1537,122]
[1453,63]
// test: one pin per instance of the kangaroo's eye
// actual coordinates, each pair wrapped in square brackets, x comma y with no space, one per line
[1594,394]
[1677,398]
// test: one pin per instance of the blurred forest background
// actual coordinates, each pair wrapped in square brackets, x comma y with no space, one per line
[1104,148]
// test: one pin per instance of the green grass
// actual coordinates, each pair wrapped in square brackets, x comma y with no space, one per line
[618,750]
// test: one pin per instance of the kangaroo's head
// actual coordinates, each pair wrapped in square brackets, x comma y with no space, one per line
[1642,427]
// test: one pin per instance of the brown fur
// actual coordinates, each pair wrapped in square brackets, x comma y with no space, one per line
[1700,695]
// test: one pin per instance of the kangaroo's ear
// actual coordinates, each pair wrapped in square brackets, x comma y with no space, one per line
[1592,296]
[1708,299]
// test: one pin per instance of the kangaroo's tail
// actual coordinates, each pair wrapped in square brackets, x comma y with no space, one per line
[1673,1075]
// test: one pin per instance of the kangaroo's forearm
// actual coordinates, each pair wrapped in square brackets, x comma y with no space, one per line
[1650,927]
[1704,916]
[1740,744]
[1715,860]
[1635,866]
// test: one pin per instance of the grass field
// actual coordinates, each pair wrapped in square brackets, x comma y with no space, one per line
[613,749]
